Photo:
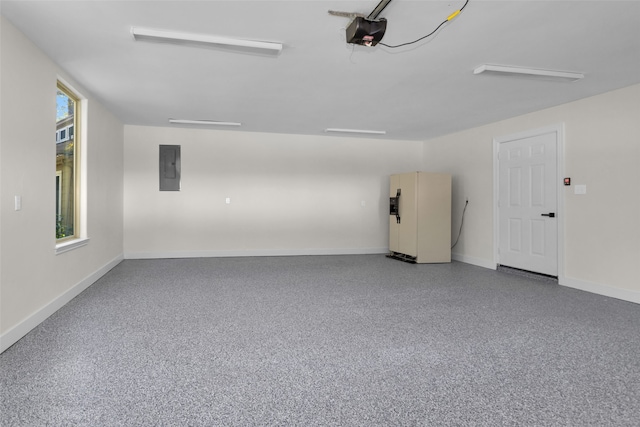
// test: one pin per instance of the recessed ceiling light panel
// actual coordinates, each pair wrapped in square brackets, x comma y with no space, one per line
[361,131]
[532,72]
[148,34]
[203,122]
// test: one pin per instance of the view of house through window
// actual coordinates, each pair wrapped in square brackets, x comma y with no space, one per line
[65,163]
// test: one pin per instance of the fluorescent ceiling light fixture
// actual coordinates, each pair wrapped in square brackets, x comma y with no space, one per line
[203,122]
[363,131]
[147,34]
[504,69]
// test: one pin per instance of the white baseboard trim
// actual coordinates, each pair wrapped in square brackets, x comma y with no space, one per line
[23,328]
[597,288]
[474,261]
[255,253]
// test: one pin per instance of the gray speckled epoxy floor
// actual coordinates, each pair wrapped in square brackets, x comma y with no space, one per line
[327,341]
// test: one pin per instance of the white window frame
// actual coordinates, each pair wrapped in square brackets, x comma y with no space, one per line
[80,237]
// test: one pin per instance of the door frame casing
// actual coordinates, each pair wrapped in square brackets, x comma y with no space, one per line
[558,129]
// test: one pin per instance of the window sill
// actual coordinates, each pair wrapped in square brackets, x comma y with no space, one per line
[71,245]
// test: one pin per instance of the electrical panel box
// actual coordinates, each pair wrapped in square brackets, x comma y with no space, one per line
[420,217]
[169,168]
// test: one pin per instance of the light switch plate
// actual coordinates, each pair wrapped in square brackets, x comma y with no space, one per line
[580,189]
[18,203]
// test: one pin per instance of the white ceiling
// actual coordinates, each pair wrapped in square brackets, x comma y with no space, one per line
[318,80]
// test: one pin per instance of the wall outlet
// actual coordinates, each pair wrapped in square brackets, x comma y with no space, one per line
[228,200]
[580,189]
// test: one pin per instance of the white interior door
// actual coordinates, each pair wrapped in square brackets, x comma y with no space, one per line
[527,203]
